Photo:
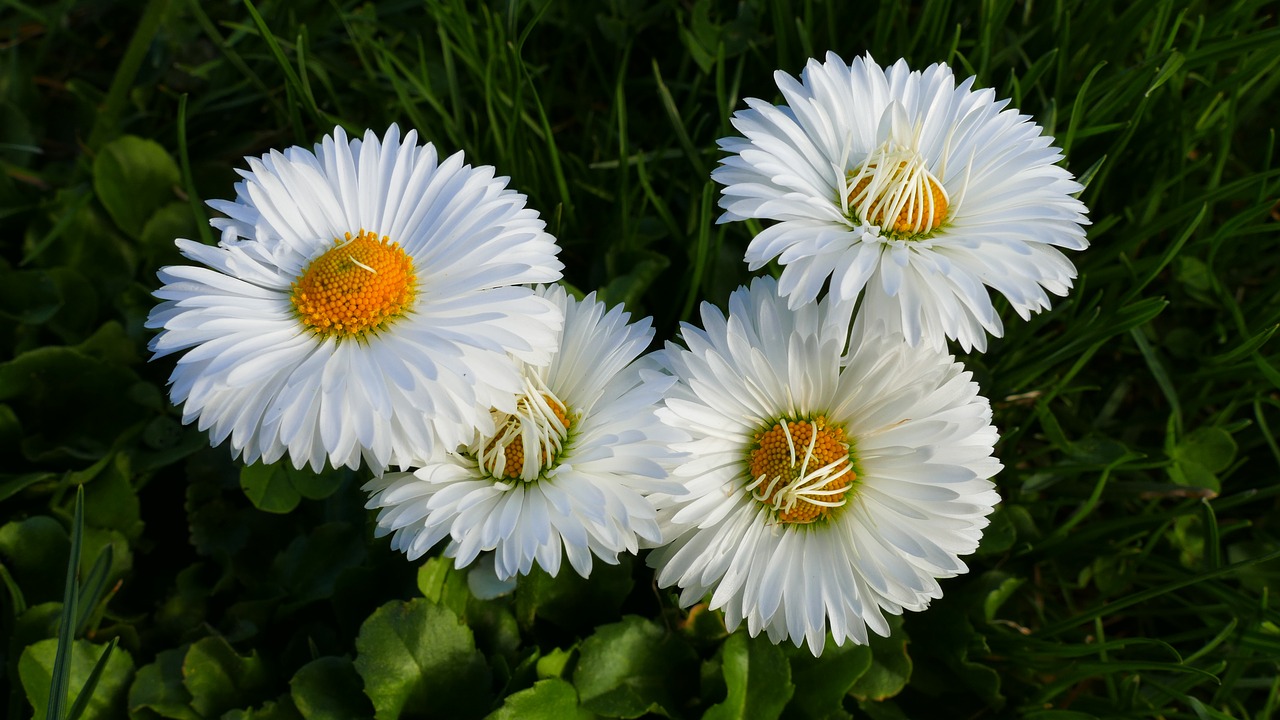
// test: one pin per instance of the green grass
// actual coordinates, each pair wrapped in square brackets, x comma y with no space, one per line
[1126,574]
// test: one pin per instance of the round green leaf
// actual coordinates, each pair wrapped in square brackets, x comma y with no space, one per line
[168,223]
[632,667]
[316,485]
[134,178]
[158,688]
[821,683]
[329,688]
[220,679]
[890,665]
[758,679]
[28,549]
[1211,448]
[552,699]
[107,700]
[269,488]
[417,659]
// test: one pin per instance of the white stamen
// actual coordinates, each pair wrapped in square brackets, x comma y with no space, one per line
[808,486]
[897,180]
[362,265]
[534,423]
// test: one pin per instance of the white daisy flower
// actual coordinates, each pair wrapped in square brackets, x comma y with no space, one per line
[821,495]
[567,472]
[908,190]
[364,300]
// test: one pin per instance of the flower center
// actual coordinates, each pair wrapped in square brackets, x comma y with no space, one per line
[357,286]
[894,189]
[801,469]
[541,421]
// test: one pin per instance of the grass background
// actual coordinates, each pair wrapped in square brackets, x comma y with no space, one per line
[1126,574]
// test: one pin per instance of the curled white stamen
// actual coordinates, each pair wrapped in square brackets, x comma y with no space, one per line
[362,265]
[897,180]
[808,485]
[535,423]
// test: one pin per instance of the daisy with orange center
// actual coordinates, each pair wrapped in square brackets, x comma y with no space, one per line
[823,490]
[911,196]
[367,301]
[358,286]
[802,469]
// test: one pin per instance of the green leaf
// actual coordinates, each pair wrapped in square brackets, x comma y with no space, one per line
[1004,588]
[999,536]
[822,682]
[219,679]
[552,664]
[159,688]
[281,709]
[329,688]
[134,178]
[86,692]
[311,565]
[758,679]
[162,228]
[71,405]
[632,667]
[416,658]
[35,668]
[37,622]
[30,297]
[572,601]
[30,549]
[269,487]
[1199,456]
[111,502]
[552,699]
[443,584]
[317,485]
[890,664]
[1210,447]
[642,268]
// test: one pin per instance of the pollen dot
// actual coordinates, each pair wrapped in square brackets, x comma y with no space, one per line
[358,286]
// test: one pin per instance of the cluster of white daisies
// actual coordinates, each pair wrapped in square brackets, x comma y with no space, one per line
[804,465]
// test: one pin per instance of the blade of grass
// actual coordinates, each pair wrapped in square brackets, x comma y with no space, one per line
[86,692]
[1140,597]
[188,184]
[1161,376]
[104,125]
[92,588]
[292,84]
[61,675]
[677,123]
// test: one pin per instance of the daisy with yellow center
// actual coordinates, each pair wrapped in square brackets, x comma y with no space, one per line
[366,301]
[564,474]
[907,194]
[823,491]
[357,287]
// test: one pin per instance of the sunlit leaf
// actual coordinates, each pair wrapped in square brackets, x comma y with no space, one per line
[417,659]
[108,699]
[629,668]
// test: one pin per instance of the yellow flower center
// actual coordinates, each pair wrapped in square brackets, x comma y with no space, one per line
[541,421]
[801,469]
[895,190]
[357,286]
